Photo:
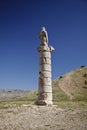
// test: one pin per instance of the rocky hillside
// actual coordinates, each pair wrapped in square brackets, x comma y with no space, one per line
[72,85]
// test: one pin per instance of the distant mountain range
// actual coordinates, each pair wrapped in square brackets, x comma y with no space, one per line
[10,94]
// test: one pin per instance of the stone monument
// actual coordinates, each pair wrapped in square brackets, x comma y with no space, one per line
[45,81]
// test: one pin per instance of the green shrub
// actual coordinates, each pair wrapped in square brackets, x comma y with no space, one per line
[85,82]
[85,75]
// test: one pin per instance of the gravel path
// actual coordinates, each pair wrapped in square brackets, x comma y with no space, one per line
[31,117]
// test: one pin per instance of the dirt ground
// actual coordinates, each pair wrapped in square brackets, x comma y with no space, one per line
[31,117]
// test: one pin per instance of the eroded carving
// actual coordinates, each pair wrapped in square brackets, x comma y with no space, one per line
[43,96]
[43,36]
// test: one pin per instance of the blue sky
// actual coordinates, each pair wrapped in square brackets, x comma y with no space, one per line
[20,22]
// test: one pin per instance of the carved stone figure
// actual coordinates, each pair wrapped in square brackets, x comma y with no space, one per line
[43,36]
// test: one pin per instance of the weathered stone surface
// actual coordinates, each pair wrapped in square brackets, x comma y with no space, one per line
[45,81]
[45,98]
[45,89]
[45,67]
[45,74]
[45,54]
[45,60]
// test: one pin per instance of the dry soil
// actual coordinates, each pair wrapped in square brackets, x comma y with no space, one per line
[31,117]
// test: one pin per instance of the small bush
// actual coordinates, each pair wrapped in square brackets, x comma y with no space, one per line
[85,82]
[61,77]
[82,66]
[84,87]
[85,75]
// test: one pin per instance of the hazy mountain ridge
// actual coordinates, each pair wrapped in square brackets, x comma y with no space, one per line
[12,93]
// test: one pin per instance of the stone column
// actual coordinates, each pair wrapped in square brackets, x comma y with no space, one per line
[45,81]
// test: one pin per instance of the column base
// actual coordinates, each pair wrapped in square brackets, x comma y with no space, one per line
[44,102]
